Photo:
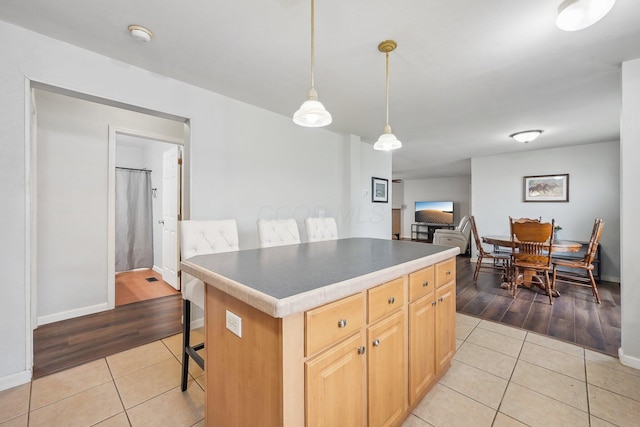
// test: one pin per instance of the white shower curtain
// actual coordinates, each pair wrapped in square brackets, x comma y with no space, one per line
[134,229]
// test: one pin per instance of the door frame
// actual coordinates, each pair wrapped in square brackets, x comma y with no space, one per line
[114,131]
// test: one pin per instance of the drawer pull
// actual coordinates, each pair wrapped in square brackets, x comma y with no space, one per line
[342,323]
[361,350]
[433,303]
[376,343]
[425,283]
[392,300]
[441,299]
[448,272]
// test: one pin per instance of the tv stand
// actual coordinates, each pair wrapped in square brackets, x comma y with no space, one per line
[423,231]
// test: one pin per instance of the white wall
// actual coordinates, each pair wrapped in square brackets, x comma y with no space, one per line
[630,206]
[594,182]
[456,189]
[245,163]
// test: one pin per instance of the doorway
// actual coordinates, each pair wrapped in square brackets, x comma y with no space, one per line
[147,188]
[73,158]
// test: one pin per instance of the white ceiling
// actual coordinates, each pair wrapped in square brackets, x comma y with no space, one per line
[465,75]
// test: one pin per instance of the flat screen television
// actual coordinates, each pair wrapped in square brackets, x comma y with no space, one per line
[434,212]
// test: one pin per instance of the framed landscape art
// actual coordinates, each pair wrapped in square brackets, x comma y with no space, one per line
[546,188]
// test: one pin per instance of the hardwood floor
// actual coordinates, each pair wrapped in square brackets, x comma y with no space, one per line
[141,285]
[72,342]
[574,316]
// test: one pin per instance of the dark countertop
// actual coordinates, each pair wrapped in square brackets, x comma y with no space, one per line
[284,280]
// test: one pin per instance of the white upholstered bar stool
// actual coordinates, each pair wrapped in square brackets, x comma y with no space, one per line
[199,238]
[277,232]
[319,229]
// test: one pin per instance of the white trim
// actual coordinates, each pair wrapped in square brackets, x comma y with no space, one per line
[198,323]
[15,380]
[632,362]
[70,314]
[30,231]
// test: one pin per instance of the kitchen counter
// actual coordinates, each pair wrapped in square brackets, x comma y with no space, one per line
[284,280]
[288,328]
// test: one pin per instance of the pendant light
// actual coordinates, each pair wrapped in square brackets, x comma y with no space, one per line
[574,15]
[312,113]
[387,140]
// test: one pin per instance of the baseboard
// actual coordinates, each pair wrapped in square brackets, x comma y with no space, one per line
[64,315]
[611,279]
[632,362]
[157,269]
[15,380]
[198,323]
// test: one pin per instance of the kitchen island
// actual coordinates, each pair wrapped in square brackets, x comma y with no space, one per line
[346,332]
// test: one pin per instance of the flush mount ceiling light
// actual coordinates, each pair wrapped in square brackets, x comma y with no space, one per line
[140,33]
[312,113]
[526,135]
[387,140]
[574,15]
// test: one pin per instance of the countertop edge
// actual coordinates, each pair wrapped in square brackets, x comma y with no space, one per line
[280,308]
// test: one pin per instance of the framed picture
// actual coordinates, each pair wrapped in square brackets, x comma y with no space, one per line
[379,190]
[546,188]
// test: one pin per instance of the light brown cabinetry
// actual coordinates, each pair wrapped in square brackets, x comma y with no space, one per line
[386,355]
[335,385]
[445,314]
[432,312]
[364,360]
[421,333]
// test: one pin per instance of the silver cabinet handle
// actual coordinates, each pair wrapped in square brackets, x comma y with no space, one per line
[376,343]
[161,222]
[392,300]
[362,350]
[425,283]
[342,323]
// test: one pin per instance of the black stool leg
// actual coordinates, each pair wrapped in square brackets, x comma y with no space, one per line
[186,331]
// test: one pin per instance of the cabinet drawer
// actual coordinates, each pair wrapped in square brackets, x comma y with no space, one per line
[384,299]
[445,272]
[421,283]
[332,322]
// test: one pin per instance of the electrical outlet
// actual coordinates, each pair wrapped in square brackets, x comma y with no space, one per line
[234,323]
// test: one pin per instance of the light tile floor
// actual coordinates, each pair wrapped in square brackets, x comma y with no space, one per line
[500,376]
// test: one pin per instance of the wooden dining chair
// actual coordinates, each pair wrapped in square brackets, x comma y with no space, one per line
[582,269]
[500,262]
[531,243]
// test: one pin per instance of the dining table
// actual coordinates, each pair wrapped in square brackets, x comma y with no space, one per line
[503,241]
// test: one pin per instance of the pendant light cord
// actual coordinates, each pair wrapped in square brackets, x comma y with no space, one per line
[387,57]
[312,43]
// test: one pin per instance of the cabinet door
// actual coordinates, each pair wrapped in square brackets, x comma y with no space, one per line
[421,346]
[334,385]
[386,371]
[445,325]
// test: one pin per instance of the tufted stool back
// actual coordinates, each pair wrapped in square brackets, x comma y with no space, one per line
[200,238]
[319,229]
[277,232]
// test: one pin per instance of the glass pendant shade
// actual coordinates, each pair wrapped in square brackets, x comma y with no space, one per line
[312,113]
[387,141]
[574,15]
